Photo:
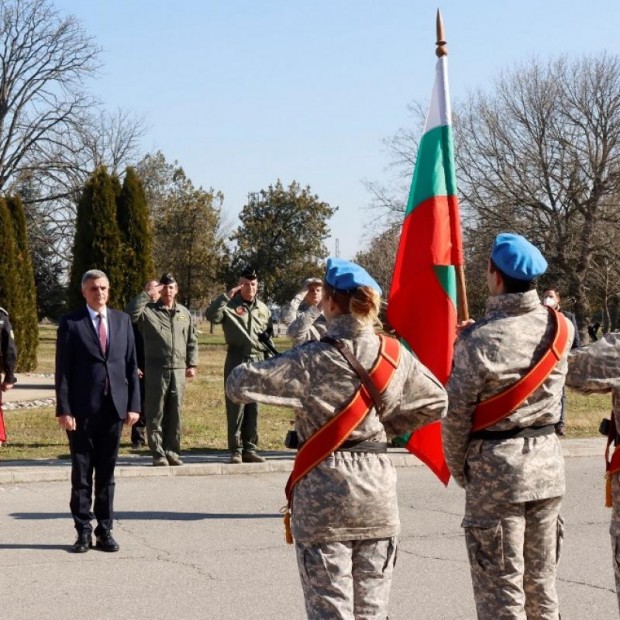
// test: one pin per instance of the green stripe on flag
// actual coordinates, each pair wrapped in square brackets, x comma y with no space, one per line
[446,274]
[434,170]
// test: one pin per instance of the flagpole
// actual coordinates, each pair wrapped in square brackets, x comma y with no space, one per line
[461,288]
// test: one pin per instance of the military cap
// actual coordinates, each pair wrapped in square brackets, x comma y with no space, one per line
[167,278]
[249,273]
[515,256]
[344,275]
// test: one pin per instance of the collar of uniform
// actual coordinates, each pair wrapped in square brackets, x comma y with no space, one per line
[249,304]
[347,326]
[160,306]
[514,303]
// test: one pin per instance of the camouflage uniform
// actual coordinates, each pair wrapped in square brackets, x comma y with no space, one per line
[513,486]
[242,322]
[170,347]
[304,322]
[345,512]
[596,368]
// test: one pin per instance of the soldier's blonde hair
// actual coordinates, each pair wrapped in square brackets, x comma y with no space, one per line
[362,303]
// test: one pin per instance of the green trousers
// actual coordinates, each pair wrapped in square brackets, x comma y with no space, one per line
[164,389]
[242,419]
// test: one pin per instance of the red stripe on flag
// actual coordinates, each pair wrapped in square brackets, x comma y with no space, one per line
[426,444]
[419,309]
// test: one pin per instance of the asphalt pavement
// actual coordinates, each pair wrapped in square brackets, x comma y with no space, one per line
[213,547]
[206,540]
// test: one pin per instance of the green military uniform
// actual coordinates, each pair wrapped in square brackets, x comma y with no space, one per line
[242,322]
[170,347]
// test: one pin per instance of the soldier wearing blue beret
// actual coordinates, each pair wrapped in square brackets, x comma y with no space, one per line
[344,509]
[511,466]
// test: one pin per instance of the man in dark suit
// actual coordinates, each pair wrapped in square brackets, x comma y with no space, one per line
[96,390]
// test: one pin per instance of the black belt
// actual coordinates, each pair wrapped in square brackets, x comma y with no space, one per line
[528,431]
[363,446]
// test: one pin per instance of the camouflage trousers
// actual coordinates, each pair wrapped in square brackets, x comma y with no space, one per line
[513,551]
[347,580]
[614,530]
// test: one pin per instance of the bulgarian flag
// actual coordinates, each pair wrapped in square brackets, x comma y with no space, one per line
[422,305]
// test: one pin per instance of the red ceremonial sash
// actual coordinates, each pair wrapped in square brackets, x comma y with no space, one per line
[335,432]
[2,427]
[500,406]
[612,465]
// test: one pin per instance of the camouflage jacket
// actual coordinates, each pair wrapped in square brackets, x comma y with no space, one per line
[596,368]
[305,322]
[241,321]
[490,356]
[348,496]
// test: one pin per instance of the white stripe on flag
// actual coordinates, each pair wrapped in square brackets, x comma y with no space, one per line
[439,112]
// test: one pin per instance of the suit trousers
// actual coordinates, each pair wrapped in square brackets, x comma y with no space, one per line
[94,448]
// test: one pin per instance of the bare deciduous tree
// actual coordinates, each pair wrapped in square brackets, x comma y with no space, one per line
[45,59]
[541,155]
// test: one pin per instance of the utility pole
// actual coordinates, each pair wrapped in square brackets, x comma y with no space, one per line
[337,255]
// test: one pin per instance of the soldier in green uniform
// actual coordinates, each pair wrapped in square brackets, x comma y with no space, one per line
[171,356]
[243,317]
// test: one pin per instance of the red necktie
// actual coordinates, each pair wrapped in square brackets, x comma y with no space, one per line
[103,334]
[103,343]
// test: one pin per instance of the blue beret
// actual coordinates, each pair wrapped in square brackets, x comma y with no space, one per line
[515,256]
[345,275]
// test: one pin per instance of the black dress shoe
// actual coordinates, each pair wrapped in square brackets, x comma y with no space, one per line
[82,544]
[105,542]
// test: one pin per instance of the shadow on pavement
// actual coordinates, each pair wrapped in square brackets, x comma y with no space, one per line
[149,516]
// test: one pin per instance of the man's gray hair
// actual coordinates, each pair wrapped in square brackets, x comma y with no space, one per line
[93,274]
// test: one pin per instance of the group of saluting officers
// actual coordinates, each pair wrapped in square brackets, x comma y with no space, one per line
[352,390]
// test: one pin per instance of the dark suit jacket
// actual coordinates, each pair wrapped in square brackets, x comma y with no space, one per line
[81,367]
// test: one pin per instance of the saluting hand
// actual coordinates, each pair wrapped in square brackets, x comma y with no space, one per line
[233,291]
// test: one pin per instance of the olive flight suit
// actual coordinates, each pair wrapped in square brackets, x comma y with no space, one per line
[242,322]
[170,347]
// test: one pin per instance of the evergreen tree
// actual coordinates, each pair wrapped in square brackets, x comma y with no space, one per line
[24,314]
[282,236]
[136,237]
[47,263]
[9,288]
[97,242]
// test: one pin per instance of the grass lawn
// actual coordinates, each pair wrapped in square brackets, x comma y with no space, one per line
[34,434]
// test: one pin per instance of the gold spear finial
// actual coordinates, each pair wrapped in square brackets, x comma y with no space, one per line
[441,50]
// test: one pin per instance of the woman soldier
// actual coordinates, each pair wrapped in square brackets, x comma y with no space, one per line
[344,511]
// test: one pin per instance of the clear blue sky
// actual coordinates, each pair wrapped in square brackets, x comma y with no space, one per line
[243,92]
